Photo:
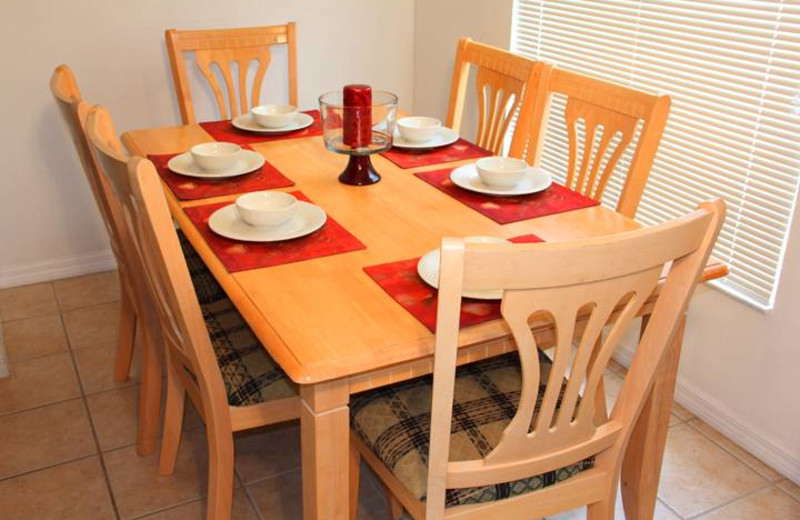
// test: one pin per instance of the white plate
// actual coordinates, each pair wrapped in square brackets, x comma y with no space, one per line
[442,137]
[307,219]
[535,180]
[184,165]
[247,123]
[428,269]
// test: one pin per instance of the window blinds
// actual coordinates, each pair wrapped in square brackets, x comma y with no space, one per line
[732,68]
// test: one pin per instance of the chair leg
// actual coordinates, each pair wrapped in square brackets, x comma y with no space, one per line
[355,481]
[220,473]
[394,506]
[149,396]
[173,423]
[127,335]
[603,510]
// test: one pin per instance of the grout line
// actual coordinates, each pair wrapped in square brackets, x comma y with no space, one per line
[39,407]
[786,492]
[735,456]
[275,475]
[91,424]
[49,466]
[731,501]
[35,316]
[253,506]
[58,301]
[42,405]
[659,501]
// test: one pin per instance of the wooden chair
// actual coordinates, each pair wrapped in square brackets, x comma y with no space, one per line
[133,298]
[500,80]
[513,437]
[211,353]
[606,110]
[223,47]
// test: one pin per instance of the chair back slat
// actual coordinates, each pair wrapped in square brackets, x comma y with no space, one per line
[216,51]
[609,118]
[581,288]
[500,83]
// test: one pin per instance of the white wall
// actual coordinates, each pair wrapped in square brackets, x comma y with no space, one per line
[438,26]
[48,224]
[740,367]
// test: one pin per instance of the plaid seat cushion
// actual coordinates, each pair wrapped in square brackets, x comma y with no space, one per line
[394,422]
[249,373]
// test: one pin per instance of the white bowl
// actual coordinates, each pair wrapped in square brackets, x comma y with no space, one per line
[274,116]
[501,172]
[418,129]
[216,157]
[266,208]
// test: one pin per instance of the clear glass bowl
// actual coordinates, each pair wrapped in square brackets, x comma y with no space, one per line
[333,114]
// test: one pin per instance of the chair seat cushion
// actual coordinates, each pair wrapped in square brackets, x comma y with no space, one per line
[250,375]
[394,422]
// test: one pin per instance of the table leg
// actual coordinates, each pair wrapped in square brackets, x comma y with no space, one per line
[641,467]
[325,438]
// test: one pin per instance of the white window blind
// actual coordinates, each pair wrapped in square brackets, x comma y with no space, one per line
[732,68]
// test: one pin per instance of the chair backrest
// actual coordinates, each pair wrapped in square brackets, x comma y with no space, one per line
[223,47]
[73,110]
[609,115]
[578,288]
[500,80]
[135,183]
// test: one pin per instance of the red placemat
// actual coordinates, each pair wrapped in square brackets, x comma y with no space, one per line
[401,281]
[331,239]
[225,131]
[191,188]
[504,210]
[458,151]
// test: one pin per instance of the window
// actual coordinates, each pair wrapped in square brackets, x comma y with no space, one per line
[732,68]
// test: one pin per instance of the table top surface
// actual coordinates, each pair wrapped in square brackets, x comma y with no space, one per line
[325,319]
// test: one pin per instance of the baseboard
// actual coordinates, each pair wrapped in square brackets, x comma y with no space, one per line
[717,416]
[56,268]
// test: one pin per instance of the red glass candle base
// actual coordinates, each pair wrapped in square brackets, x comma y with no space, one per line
[359,172]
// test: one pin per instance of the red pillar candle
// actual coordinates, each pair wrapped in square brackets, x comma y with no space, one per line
[357,124]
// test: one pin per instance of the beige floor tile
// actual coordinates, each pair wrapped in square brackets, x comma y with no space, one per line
[752,461]
[698,475]
[73,491]
[114,415]
[92,326]
[44,437]
[139,490]
[767,504]
[279,498]
[790,487]
[661,512]
[267,452]
[27,302]
[37,382]
[30,338]
[85,291]
[96,368]
[197,510]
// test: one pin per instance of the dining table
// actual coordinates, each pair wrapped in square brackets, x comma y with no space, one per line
[335,332]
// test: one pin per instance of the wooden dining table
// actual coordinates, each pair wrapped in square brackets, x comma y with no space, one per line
[335,332]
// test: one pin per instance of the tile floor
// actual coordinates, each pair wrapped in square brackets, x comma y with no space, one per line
[67,434]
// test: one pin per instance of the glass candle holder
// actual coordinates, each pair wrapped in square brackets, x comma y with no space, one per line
[358,122]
